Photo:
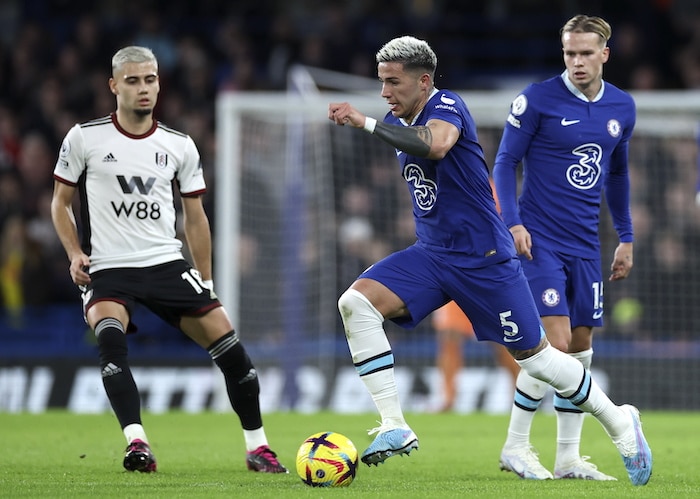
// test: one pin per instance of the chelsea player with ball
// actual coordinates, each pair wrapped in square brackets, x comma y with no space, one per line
[571,133]
[464,252]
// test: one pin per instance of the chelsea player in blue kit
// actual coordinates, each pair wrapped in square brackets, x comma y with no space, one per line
[464,252]
[571,133]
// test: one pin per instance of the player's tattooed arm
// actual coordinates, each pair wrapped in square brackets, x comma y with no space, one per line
[414,140]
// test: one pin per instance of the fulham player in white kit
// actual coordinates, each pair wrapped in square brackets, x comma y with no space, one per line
[125,167]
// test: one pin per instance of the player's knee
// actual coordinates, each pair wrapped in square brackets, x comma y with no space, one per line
[346,304]
[560,344]
[558,329]
[356,310]
[559,338]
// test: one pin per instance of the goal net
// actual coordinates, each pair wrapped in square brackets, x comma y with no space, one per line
[303,206]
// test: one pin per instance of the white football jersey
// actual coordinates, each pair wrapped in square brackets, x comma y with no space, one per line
[126,185]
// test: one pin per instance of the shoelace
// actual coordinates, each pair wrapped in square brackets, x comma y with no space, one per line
[531,456]
[585,464]
[381,428]
[268,454]
[138,446]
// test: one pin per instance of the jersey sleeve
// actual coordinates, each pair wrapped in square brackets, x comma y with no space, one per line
[71,158]
[450,108]
[617,183]
[190,176]
[519,129]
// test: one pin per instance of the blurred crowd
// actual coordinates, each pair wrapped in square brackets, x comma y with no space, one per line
[55,60]
[659,299]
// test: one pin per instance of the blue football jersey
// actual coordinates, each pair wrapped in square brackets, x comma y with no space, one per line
[572,150]
[453,204]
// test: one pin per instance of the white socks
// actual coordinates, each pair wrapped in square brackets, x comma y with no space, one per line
[570,421]
[133,432]
[528,396]
[254,438]
[371,354]
[570,379]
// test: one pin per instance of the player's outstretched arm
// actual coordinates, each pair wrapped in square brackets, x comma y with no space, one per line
[432,140]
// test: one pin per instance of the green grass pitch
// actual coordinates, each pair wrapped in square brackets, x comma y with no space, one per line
[58,454]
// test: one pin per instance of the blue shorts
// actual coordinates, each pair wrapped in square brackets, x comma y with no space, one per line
[496,298]
[566,285]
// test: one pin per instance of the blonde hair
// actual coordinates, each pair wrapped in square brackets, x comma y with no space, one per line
[411,52]
[588,24]
[132,53]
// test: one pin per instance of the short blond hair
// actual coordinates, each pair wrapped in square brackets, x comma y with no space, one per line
[588,24]
[411,52]
[132,53]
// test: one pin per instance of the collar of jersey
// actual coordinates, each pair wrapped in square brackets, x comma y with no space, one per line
[572,88]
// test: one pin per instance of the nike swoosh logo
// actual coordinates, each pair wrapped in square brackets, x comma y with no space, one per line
[598,315]
[511,340]
[565,122]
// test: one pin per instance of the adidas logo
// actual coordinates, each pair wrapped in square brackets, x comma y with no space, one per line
[252,374]
[109,158]
[110,370]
